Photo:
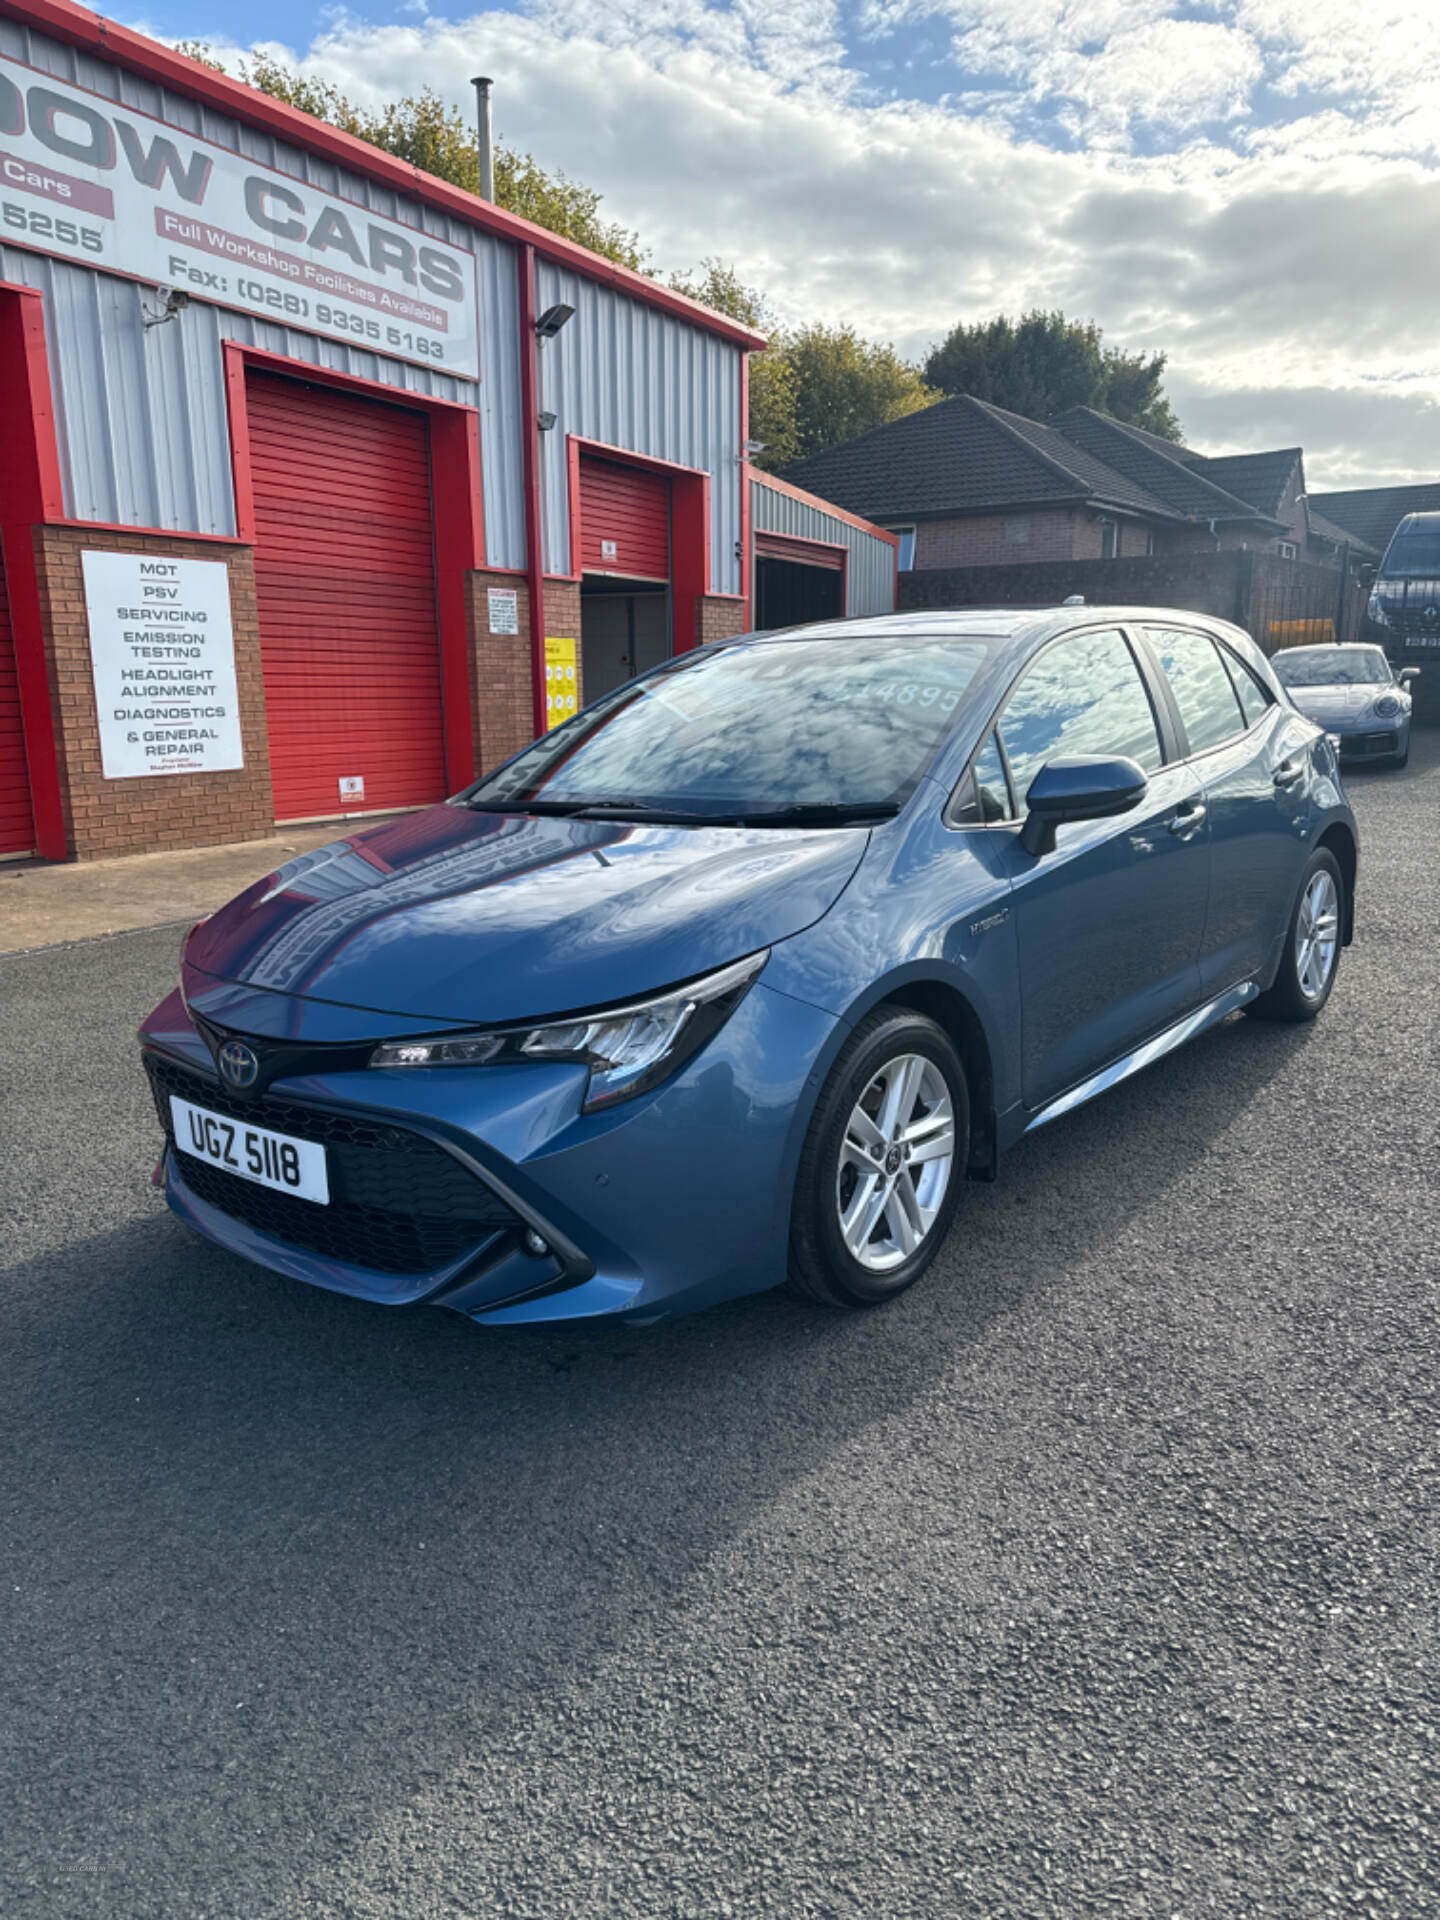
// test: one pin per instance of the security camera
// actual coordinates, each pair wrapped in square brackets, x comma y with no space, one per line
[173,300]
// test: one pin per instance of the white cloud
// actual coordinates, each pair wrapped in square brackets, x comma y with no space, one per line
[1291,265]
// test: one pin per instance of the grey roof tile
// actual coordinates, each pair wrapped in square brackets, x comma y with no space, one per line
[1373,513]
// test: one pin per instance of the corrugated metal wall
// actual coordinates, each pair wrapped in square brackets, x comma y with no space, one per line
[870,581]
[631,376]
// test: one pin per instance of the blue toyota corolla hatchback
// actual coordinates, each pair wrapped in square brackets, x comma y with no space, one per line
[738,976]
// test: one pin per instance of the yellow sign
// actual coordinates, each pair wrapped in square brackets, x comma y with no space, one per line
[562,687]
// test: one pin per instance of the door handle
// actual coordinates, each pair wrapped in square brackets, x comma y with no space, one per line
[1188,818]
[1289,771]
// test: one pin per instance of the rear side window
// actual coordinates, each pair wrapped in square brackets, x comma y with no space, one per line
[1203,690]
[1084,694]
[1253,697]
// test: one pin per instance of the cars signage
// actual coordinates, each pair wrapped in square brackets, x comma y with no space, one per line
[112,188]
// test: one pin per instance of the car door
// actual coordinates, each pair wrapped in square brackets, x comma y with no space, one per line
[1108,925]
[1250,754]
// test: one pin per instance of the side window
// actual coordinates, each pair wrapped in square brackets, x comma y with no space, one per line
[1253,697]
[1207,701]
[1084,694]
[992,789]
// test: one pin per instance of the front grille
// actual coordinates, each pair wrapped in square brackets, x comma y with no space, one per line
[1363,744]
[399,1203]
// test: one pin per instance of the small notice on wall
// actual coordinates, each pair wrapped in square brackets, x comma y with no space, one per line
[562,691]
[504,610]
[163,654]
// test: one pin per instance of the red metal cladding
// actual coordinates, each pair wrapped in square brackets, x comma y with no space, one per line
[809,553]
[17,824]
[624,520]
[345,578]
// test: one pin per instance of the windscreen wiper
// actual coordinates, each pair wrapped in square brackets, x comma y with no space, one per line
[826,813]
[599,809]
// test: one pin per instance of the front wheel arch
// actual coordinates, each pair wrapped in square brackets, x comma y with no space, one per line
[1341,842]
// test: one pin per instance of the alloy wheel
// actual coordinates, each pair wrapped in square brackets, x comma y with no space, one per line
[896,1160]
[1317,930]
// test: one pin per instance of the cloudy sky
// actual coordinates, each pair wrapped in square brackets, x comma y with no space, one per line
[1251,185]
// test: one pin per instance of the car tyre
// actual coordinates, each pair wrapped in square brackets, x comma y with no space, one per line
[883,1163]
[1313,941]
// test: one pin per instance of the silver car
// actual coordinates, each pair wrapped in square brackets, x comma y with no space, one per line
[1355,694]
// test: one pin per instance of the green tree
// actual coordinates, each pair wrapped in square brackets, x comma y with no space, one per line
[845,385]
[1043,363]
[424,131]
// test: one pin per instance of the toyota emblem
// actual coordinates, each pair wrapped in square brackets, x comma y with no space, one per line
[239,1064]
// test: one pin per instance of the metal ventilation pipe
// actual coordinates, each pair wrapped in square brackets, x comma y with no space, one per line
[482,87]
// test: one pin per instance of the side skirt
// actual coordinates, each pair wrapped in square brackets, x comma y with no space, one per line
[1144,1056]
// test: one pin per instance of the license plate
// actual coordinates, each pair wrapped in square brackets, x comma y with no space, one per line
[252,1153]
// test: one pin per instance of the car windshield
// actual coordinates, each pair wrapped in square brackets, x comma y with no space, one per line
[782,728]
[1332,667]
[1414,555]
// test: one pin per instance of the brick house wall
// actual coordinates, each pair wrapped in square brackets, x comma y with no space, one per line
[143,815]
[1025,539]
[994,539]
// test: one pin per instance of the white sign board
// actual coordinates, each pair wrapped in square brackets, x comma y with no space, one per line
[112,188]
[163,655]
[504,610]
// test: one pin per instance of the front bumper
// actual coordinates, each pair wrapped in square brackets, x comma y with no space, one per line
[1376,740]
[668,1203]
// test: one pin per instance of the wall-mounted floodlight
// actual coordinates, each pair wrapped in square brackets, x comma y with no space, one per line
[545,421]
[553,319]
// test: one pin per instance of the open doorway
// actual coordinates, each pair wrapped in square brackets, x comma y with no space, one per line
[789,593]
[624,630]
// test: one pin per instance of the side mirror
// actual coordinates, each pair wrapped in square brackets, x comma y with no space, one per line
[1078,786]
[1366,575]
[1407,674]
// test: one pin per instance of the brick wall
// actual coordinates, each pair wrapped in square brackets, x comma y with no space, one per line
[142,815]
[499,673]
[997,539]
[1205,583]
[1268,596]
[718,617]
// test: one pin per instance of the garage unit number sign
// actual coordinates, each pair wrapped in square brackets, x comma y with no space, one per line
[163,654]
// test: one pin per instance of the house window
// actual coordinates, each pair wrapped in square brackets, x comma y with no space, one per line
[1285,549]
[1109,539]
[1017,533]
[905,559]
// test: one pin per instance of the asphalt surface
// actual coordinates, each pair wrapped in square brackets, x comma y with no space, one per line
[1096,1576]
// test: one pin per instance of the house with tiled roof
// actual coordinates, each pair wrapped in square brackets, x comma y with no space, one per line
[968,484]
[1371,514]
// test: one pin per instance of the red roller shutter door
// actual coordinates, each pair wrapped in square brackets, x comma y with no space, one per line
[17,823]
[624,520]
[345,578]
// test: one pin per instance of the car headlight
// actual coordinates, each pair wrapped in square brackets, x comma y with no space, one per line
[1386,707]
[1375,608]
[628,1049]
